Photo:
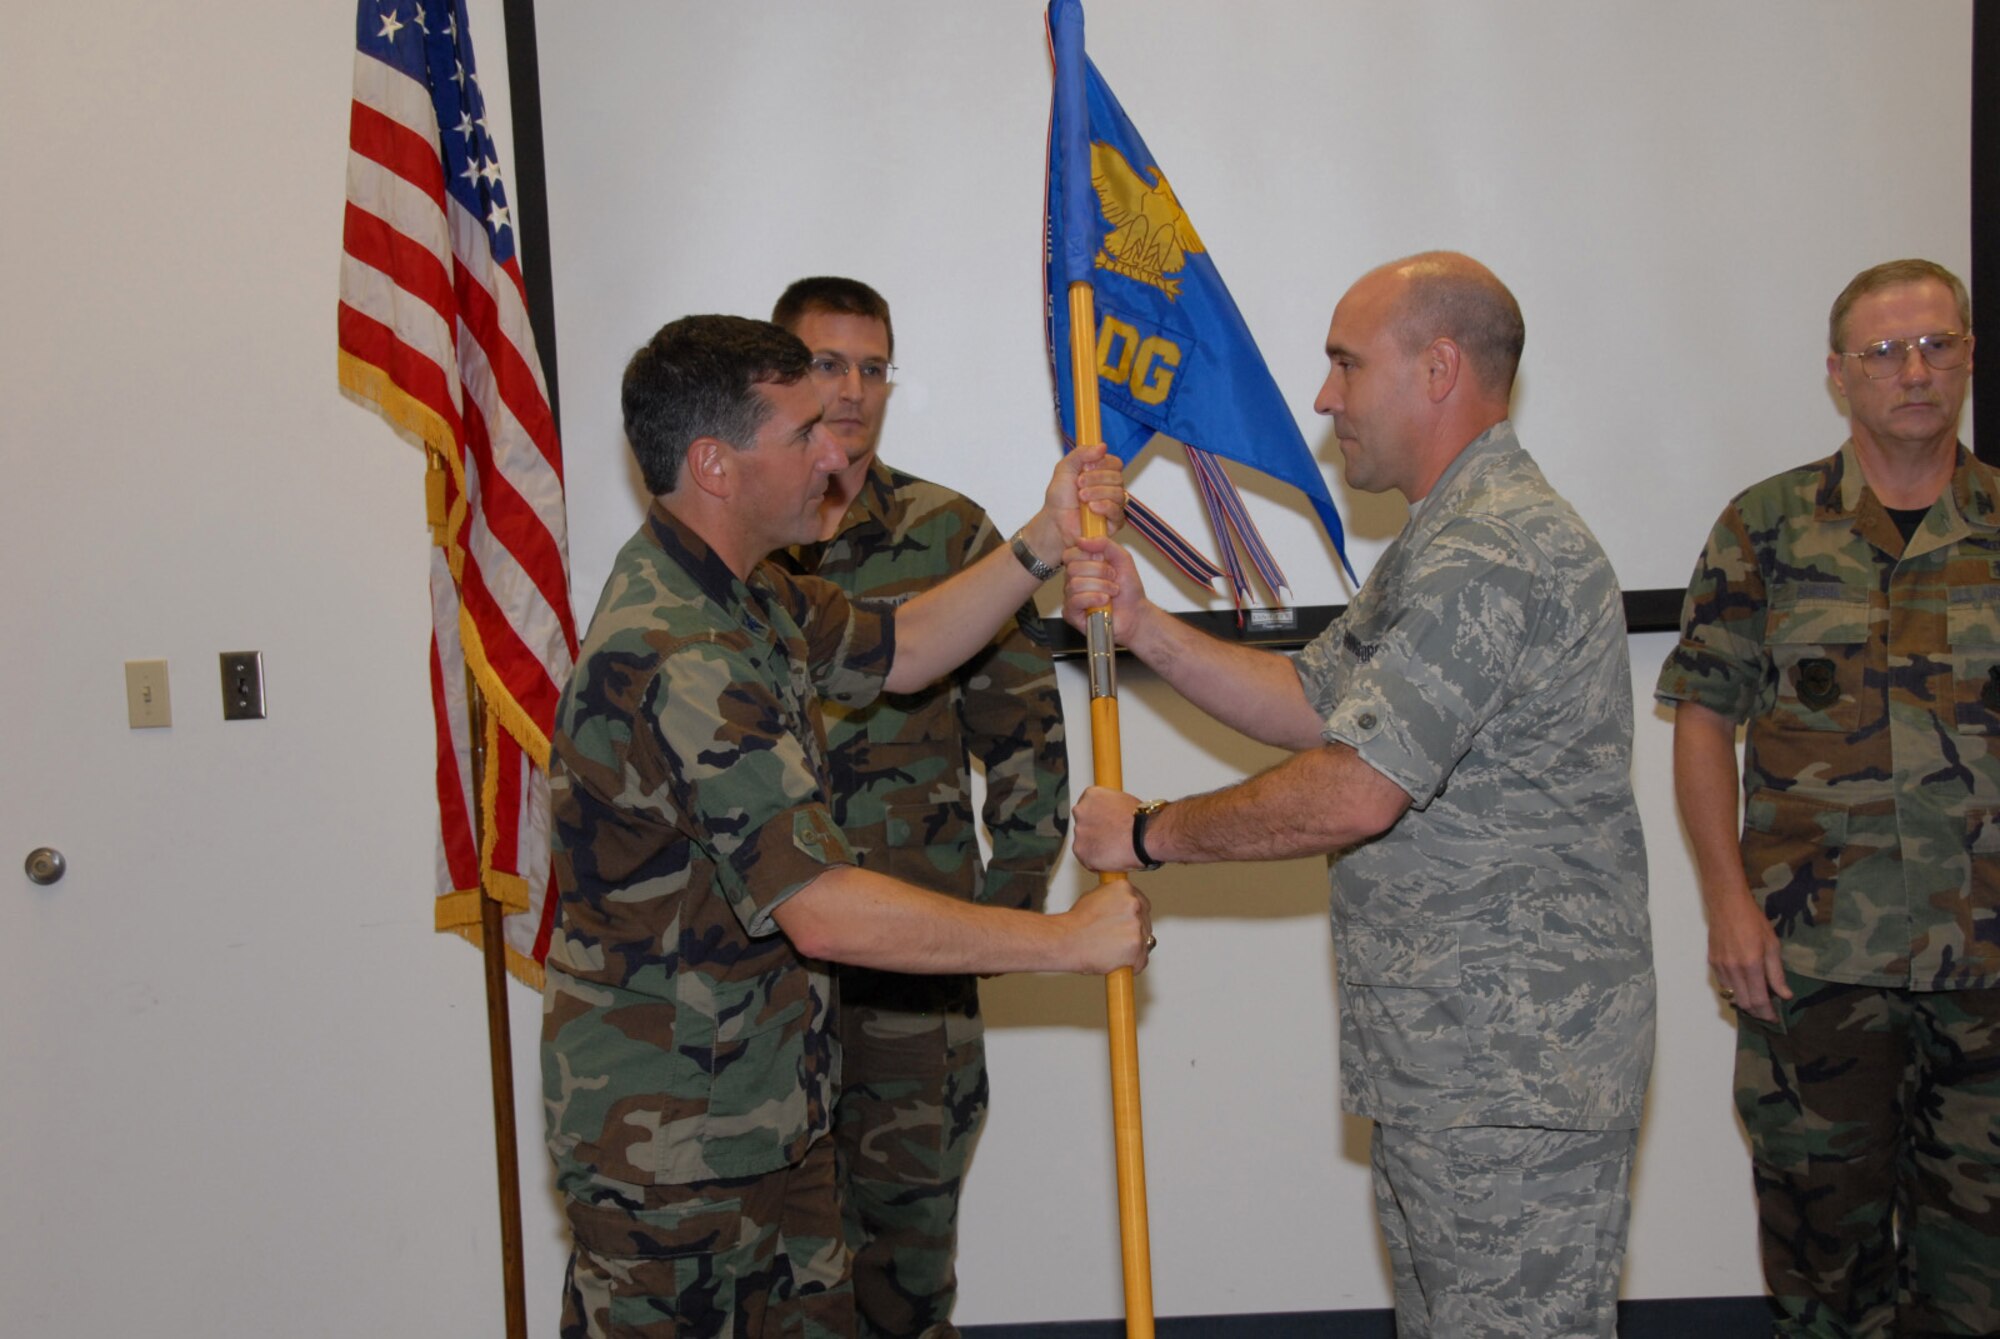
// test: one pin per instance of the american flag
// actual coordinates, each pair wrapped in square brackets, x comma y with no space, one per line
[434,336]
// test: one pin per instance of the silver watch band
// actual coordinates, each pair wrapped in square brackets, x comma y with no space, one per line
[1037,569]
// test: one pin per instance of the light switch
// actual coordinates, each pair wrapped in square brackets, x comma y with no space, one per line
[146,703]
[242,685]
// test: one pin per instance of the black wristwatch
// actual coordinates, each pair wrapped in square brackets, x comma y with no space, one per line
[1140,817]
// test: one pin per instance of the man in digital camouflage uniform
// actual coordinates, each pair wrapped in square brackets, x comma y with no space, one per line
[1462,744]
[1849,611]
[687,1065]
[913,1085]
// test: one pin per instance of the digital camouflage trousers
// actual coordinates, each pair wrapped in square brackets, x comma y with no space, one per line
[1497,1232]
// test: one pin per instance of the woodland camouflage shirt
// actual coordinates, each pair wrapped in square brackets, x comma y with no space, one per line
[1869,673]
[902,792]
[683,1037]
[902,786]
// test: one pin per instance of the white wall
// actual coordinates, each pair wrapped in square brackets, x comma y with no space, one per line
[242,1083]
[245,1085]
[1674,192]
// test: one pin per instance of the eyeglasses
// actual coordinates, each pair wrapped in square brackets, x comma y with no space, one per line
[833,367]
[1945,350]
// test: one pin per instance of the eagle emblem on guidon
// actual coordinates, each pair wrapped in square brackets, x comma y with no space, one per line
[1150,234]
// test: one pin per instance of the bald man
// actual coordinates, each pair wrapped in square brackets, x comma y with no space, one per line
[1461,744]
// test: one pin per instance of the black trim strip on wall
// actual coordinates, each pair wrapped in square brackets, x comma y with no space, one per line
[1289,629]
[531,188]
[1985,171]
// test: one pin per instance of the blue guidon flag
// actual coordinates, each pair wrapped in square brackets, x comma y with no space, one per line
[1173,355]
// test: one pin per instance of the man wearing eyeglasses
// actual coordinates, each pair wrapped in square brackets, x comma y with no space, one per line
[913,1091]
[1849,612]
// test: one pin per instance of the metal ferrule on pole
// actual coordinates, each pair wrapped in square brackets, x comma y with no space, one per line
[1103,656]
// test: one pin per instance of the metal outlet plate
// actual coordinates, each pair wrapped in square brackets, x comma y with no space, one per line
[242,685]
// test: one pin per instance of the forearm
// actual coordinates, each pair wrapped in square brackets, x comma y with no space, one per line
[947,625]
[1317,802]
[1706,785]
[1255,692]
[1743,948]
[852,915]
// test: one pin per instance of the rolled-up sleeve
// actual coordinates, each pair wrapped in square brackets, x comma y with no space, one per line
[1718,661]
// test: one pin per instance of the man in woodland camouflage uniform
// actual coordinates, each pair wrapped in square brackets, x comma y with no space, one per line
[687,1065]
[913,1085]
[1849,611]
[1463,743]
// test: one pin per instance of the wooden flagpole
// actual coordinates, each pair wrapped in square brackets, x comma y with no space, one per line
[1108,766]
[500,1049]
[506,1148]
[493,951]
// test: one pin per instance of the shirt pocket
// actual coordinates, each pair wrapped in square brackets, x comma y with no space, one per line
[1405,1008]
[1973,625]
[758,1088]
[929,844]
[1979,924]
[1792,851]
[903,799]
[1826,873]
[1818,645]
[1387,955]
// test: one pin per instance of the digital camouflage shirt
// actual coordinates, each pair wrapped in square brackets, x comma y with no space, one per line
[1869,673]
[683,1037]
[1493,948]
[902,788]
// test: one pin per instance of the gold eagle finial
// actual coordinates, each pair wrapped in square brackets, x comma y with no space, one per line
[1150,234]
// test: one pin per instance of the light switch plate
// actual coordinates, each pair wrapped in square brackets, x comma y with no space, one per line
[242,685]
[147,706]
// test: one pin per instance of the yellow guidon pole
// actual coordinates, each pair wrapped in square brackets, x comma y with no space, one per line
[1128,1126]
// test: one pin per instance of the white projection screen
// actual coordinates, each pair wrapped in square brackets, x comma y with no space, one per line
[1675,192]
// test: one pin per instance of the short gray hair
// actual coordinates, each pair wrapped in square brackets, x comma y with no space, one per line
[1891,274]
[1454,297]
